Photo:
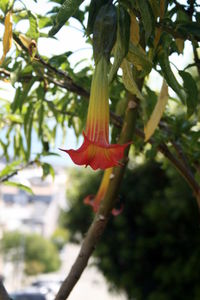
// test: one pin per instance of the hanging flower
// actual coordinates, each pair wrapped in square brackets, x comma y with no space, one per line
[95,201]
[96,150]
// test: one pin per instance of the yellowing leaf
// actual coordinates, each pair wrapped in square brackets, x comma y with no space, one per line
[134,30]
[128,80]
[162,9]
[157,36]
[138,57]
[7,36]
[25,40]
[157,112]
[180,45]
[30,44]
[158,31]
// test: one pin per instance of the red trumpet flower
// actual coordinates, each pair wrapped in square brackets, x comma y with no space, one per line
[95,201]
[96,150]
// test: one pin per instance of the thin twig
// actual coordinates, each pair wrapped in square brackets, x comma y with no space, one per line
[15,172]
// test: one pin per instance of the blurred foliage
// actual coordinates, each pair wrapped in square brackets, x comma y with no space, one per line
[39,254]
[60,237]
[151,250]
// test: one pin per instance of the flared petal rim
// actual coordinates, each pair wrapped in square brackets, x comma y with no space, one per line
[97,156]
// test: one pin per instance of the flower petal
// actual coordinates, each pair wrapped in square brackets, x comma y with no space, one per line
[97,156]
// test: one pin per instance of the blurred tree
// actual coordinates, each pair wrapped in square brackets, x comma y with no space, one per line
[39,254]
[151,250]
[60,237]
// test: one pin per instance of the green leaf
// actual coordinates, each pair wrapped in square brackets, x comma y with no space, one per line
[16,101]
[189,28]
[146,18]
[14,118]
[10,168]
[94,7]
[21,95]
[47,169]
[28,120]
[122,43]
[128,80]
[44,21]
[68,8]
[190,87]
[104,34]
[139,59]
[26,117]
[6,5]
[33,29]
[20,186]
[14,75]
[169,75]
[41,118]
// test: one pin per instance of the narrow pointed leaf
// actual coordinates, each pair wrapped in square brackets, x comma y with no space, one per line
[7,36]
[33,31]
[10,168]
[134,30]
[169,75]
[128,80]
[20,186]
[157,112]
[68,8]
[122,43]
[147,20]
[190,87]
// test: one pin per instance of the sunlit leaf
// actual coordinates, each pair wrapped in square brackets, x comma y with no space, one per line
[157,112]
[33,32]
[19,186]
[128,80]
[134,30]
[7,36]
[10,168]
[139,59]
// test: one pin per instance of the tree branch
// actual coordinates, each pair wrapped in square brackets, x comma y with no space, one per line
[67,80]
